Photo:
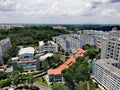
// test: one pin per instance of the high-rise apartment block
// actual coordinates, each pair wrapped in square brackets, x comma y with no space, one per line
[106,71]
[107,74]
[111,47]
[5,45]
[70,42]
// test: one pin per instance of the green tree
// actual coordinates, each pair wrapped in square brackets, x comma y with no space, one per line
[30,79]
[15,79]
[59,86]
[81,86]
[79,71]
[3,75]
[5,57]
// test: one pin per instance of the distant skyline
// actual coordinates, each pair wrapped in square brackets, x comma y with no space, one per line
[60,11]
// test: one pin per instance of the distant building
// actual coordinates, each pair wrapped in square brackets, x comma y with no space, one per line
[6,27]
[107,74]
[5,45]
[59,27]
[49,46]
[70,42]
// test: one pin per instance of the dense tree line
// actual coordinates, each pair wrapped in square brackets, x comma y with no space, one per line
[91,27]
[3,75]
[30,35]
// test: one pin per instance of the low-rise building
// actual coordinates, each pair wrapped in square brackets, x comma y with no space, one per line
[49,46]
[26,60]
[26,54]
[55,75]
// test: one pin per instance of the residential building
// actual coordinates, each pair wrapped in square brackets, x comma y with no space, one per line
[59,27]
[49,46]
[111,46]
[5,45]
[1,61]
[74,41]
[41,43]
[7,27]
[107,74]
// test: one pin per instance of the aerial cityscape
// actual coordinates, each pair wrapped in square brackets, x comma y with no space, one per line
[59,45]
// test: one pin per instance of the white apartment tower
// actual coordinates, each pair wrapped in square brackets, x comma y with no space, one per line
[107,74]
[111,47]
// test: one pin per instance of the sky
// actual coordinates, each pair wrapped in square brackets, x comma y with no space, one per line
[60,11]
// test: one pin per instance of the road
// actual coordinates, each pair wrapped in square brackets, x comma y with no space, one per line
[42,87]
[41,74]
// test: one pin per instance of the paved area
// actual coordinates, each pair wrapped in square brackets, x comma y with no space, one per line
[42,87]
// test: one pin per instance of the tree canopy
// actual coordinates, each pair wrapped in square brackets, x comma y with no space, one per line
[30,35]
[59,86]
[79,71]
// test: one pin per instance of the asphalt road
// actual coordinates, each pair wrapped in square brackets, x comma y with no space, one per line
[42,87]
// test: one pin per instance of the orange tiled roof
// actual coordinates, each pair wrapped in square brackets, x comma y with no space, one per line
[3,66]
[66,64]
[79,52]
[99,43]
[58,70]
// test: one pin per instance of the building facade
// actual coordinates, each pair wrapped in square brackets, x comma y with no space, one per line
[5,45]
[26,60]
[107,74]
[49,46]
[78,40]
[111,47]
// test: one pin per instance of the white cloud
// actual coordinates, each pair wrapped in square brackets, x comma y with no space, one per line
[110,12]
[6,5]
[56,9]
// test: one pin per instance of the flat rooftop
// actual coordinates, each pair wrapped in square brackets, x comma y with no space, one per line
[107,64]
[29,50]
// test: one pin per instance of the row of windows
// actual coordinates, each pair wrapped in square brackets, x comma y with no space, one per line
[107,79]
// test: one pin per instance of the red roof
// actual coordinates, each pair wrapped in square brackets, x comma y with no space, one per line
[58,70]
[99,44]
[66,64]
[3,66]
[79,52]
